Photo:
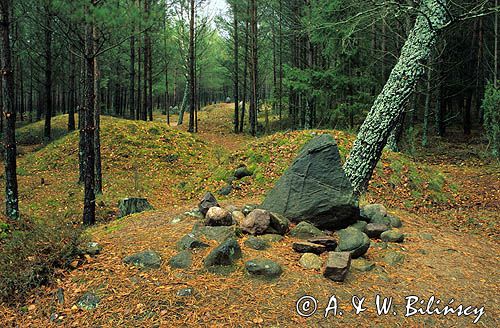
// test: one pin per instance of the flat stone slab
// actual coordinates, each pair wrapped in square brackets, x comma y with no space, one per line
[362,265]
[305,230]
[337,266]
[329,242]
[256,243]
[306,247]
[393,236]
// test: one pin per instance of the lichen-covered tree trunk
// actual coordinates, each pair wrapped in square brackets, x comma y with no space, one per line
[389,105]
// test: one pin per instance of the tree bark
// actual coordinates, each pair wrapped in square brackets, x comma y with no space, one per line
[236,69]
[48,70]
[9,137]
[192,78]
[132,77]
[388,106]
[72,93]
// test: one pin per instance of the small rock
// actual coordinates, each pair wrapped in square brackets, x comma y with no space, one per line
[88,301]
[371,210]
[217,217]
[279,223]
[311,261]
[305,247]
[130,206]
[393,236]
[362,265]
[242,172]
[256,243]
[393,258]
[353,241]
[92,248]
[337,266]
[329,242]
[60,295]
[271,238]
[263,268]
[216,233]
[374,230]
[185,292]
[395,221]
[248,208]
[206,202]
[305,230]
[144,260]
[226,190]
[224,255]
[190,242]
[183,260]
[257,222]
[426,236]
[194,213]
[360,225]
[238,217]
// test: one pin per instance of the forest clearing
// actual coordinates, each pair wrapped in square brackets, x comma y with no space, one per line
[249,164]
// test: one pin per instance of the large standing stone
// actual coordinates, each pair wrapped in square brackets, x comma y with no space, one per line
[263,268]
[353,241]
[217,216]
[144,260]
[257,222]
[129,206]
[224,255]
[305,230]
[206,202]
[315,188]
[337,265]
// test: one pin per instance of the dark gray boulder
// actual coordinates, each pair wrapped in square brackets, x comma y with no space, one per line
[329,242]
[242,172]
[224,255]
[189,241]
[305,230]
[144,260]
[353,241]
[183,260]
[128,206]
[393,236]
[374,230]
[225,191]
[315,188]
[278,225]
[206,202]
[257,243]
[263,268]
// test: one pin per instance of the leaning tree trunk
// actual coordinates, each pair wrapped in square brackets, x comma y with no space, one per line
[389,105]
[9,138]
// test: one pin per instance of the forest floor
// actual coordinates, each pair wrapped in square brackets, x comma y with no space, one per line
[447,196]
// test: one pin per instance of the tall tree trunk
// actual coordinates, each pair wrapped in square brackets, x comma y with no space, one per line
[132,77]
[182,109]
[72,93]
[89,127]
[192,78]
[97,131]
[48,70]
[236,69]
[245,69]
[9,137]
[254,69]
[388,106]
[428,94]
[495,72]
[280,92]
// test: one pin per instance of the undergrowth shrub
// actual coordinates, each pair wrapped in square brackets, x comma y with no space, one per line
[32,252]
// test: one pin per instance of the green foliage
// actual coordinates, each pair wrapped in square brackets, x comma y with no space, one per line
[31,253]
[491,109]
